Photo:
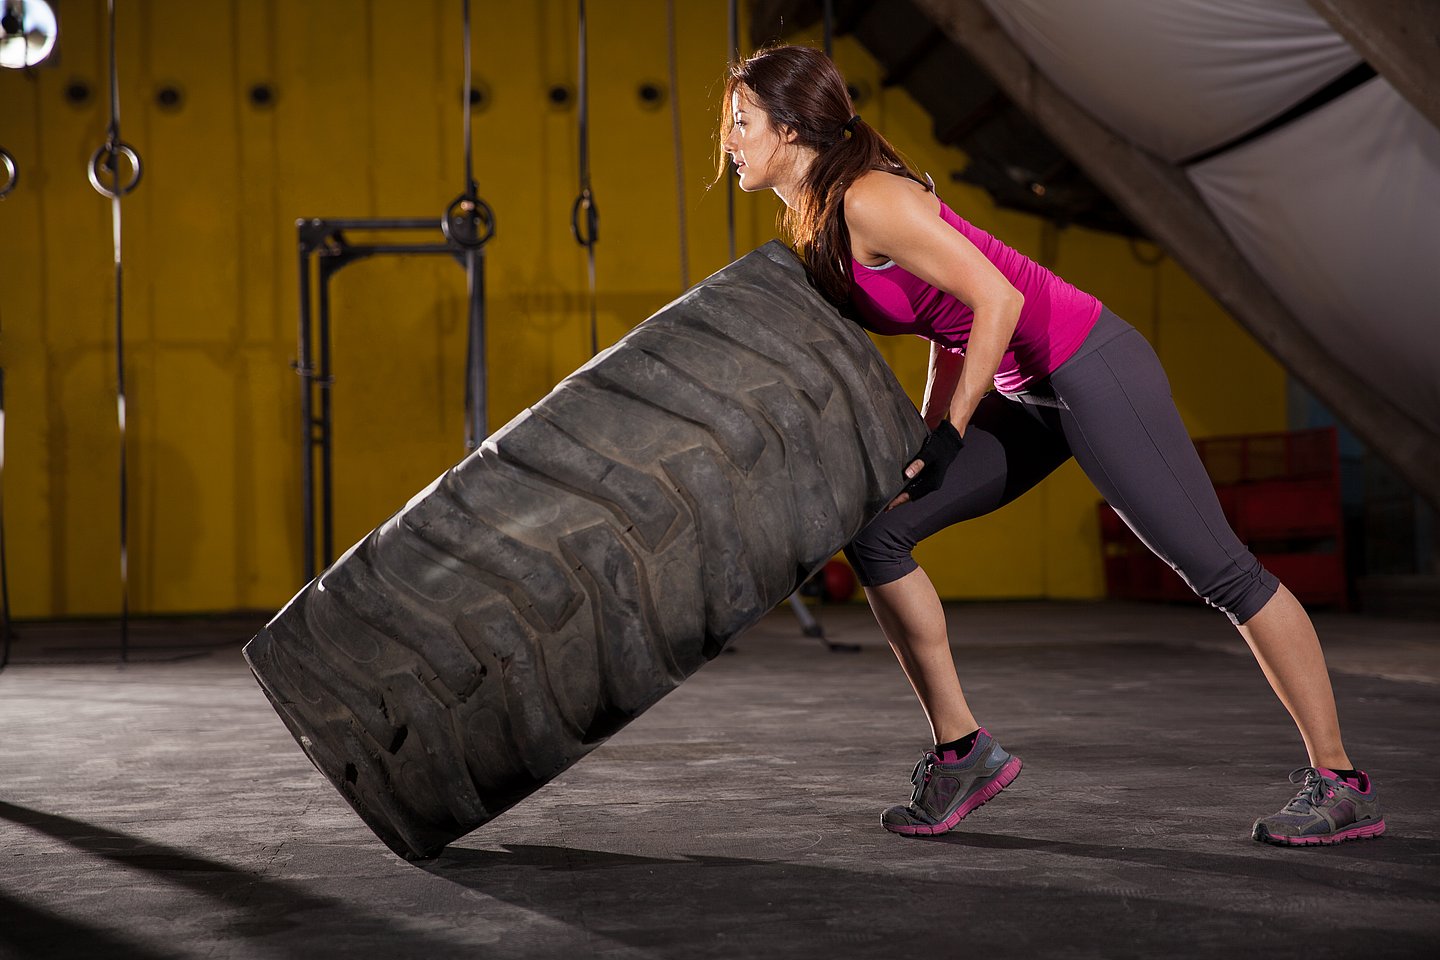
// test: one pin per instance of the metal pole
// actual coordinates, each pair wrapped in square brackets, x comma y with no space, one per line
[476,427]
[4,569]
[327,480]
[307,415]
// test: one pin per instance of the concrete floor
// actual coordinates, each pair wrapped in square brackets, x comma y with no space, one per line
[159,809]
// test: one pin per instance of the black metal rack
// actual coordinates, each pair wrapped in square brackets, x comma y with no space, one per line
[324,240]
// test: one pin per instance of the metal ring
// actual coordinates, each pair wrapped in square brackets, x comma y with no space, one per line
[108,152]
[12,173]
[470,228]
[592,219]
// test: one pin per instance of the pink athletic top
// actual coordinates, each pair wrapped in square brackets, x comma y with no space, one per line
[1054,321]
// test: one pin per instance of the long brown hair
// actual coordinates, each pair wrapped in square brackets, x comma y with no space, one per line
[801,90]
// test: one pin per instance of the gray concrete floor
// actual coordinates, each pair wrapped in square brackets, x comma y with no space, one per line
[159,809]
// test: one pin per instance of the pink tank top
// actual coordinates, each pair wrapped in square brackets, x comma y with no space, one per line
[1053,323]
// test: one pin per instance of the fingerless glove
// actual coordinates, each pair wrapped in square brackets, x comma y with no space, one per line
[938,452]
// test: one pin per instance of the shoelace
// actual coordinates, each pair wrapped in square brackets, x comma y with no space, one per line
[1315,789]
[921,775]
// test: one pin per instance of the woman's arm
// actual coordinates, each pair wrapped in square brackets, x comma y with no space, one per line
[940,384]
[892,217]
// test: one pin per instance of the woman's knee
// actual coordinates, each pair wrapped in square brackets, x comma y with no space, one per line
[881,552]
[1238,588]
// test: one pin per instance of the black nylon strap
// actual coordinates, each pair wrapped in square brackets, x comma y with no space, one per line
[585,203]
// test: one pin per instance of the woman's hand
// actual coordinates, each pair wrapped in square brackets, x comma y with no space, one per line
[927,471]
[904,497]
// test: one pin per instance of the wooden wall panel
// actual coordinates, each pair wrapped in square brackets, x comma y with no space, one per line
[366,122]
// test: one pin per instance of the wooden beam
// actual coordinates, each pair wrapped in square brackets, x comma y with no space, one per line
[1160,198]
[1399,38]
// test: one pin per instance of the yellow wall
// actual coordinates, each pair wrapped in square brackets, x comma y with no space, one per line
[367,124]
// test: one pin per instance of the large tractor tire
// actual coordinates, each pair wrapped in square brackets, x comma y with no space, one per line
[590,556]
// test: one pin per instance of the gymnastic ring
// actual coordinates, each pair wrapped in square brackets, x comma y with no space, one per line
[12,173]
[585,201]
[469,222]
[105,156]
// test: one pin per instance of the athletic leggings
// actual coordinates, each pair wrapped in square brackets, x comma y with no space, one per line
[1109,407]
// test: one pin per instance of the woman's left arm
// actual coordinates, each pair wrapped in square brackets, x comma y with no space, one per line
[892,219]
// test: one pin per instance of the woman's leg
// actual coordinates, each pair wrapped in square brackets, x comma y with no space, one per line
[1007,451]
[1129,439]
[1284,642]
[912,619]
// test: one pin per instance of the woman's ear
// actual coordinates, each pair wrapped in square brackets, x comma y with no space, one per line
[788,134]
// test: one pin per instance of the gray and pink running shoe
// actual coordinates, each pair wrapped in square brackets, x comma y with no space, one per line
[1326,810]
[947,789]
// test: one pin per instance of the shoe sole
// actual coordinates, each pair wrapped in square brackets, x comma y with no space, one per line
[975,801]
[1364,831]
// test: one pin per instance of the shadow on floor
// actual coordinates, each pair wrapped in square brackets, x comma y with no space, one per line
[27,931]
[1283,864]
[264,911]
[703,906]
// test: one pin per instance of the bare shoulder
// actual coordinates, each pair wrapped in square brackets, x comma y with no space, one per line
[879,202]
[880,195]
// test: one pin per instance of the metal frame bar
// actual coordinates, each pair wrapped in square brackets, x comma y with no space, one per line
[4,568]
[323,240]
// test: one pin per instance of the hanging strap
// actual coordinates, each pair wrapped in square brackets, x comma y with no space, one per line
[585,202]
[105,162]
[469,223]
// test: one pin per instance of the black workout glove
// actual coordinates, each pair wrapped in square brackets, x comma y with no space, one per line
[938,451]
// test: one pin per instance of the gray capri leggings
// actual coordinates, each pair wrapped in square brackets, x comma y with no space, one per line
[1108,406]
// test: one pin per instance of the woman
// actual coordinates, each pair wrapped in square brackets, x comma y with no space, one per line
[1070,379]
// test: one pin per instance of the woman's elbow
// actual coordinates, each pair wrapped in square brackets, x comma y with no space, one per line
[1006,301]
[1003,296]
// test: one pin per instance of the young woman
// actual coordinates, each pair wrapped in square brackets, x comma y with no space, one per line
[1026,371]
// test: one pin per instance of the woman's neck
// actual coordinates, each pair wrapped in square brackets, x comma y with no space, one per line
[788,188]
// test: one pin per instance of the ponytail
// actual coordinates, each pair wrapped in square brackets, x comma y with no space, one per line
[816,224]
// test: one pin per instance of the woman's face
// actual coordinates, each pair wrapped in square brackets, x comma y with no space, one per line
[755,145]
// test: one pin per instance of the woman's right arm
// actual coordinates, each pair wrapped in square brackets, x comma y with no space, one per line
[946,366]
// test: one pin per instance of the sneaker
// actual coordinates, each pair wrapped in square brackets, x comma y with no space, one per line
[946,791]
[1326,810]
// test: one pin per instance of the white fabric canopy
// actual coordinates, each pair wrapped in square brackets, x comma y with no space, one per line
[1179,77]
[1340,211]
